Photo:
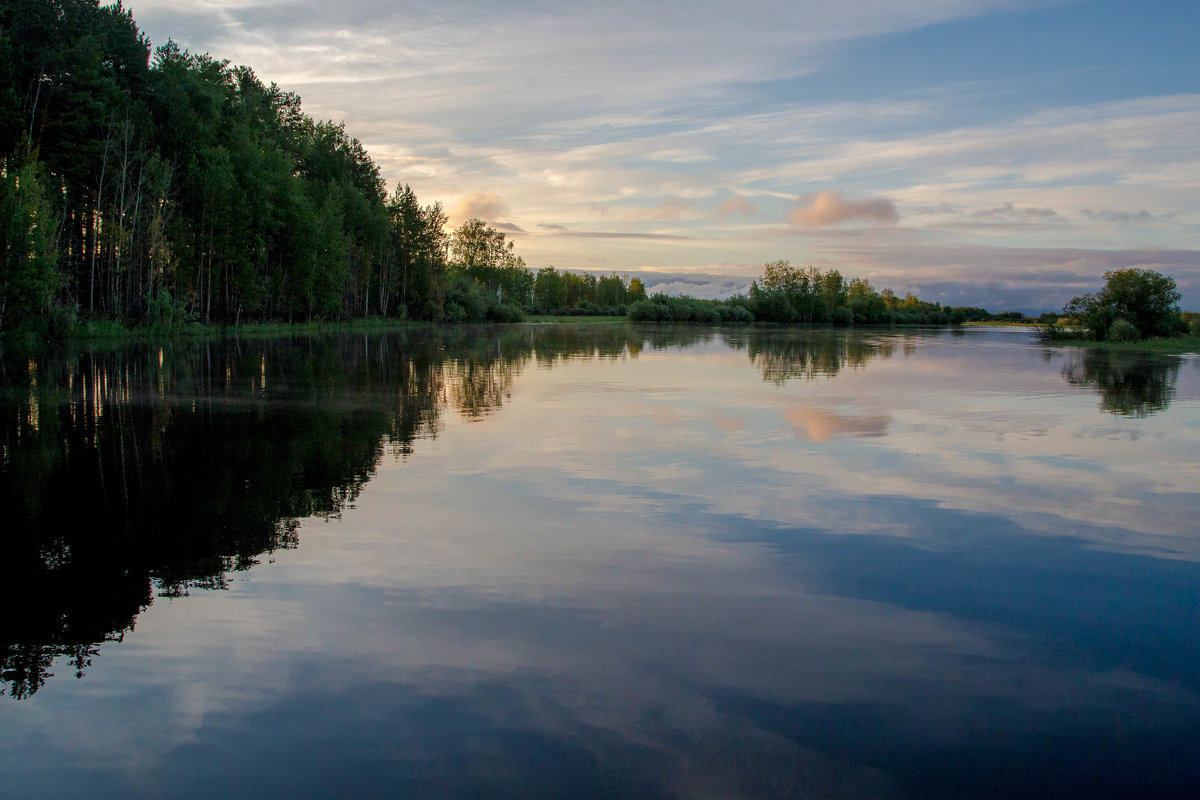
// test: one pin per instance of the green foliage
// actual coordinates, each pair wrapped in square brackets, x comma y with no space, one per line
[564,293]
[1053,333]
[813,296]
[467,300]
[188,175]
[27,275]
[506,312]
[165,314]
[661,308]
[1192,320]
[1146,300]
[637,290]
[1122,330]
[413,262]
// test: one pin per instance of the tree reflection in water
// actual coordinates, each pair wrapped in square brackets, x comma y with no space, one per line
[785,355]
[143,472]
[155,471]
[1129,384]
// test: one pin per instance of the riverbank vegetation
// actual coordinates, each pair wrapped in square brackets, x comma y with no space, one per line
[1136,309]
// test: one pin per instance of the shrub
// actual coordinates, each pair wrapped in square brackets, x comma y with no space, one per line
[1145,299]
[1122,330]
[506,312]
[1052,333]
[735,314]
[643,311]
[165,314]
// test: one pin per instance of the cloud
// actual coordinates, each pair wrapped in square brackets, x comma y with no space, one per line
[508,227]
[736,207]
[550,226]
[828,208]
[1106,215]
[481,205]
[670,209]
[819,425]
[1008,211]
[622,235]
[705,286]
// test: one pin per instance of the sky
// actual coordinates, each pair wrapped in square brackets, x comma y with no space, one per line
[1000,153]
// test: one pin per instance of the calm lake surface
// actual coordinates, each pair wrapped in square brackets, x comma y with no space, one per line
[558,561]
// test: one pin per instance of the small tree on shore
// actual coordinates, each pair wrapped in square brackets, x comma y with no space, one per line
[1143,298]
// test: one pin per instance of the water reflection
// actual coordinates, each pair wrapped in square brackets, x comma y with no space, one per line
[1129,383]
[154,471]
[785,355]
[188,463]
[598,562]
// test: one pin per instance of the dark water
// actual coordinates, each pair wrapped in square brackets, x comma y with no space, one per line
[601,562]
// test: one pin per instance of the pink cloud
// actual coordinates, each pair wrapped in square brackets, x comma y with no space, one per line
[736,206]
[819,425]
[828,208]
[481,205]
[669,209]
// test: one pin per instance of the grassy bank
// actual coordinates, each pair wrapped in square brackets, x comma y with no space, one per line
[590,320]
[114,332]
[1176,345]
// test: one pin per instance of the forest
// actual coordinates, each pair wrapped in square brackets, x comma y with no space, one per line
[158,187]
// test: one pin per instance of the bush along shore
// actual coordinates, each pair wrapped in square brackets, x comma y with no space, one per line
[1136,309]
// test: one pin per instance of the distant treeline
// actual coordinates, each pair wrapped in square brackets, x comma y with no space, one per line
[162,187]
[812,296]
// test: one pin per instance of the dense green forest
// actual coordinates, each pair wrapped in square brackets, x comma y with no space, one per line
[159,187]
[148,186]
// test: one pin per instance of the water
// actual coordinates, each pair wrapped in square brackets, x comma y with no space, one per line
[549,561]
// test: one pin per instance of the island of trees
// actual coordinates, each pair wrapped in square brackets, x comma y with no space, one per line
[1134,304]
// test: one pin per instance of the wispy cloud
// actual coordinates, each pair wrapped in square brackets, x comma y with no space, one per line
[1010,212]
[1126,217]
[674,237]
